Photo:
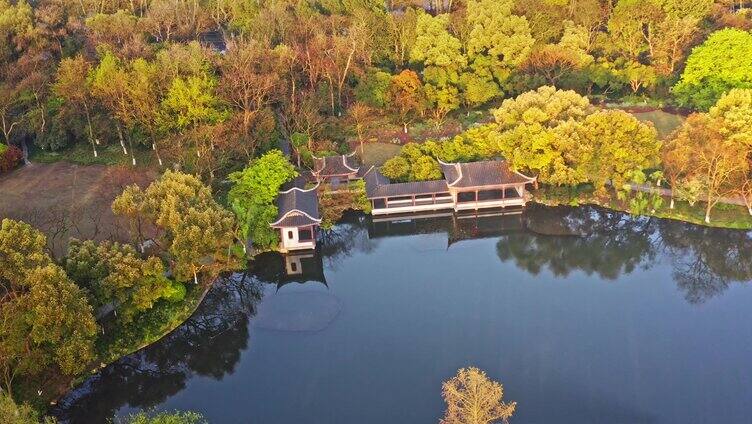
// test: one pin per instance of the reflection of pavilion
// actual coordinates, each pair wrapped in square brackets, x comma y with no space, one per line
[457,227]
[301,268]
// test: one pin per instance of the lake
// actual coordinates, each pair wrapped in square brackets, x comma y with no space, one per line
[584,315]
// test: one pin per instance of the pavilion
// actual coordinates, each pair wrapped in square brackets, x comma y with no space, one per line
[335,169]
[466,186]
[298,219]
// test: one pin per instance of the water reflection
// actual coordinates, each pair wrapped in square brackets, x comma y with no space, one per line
[555,241]
[705,261]
[208,344]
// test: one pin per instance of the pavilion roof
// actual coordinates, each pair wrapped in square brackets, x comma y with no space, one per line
[335,165]
[482,174]
[378,186]
[297,208]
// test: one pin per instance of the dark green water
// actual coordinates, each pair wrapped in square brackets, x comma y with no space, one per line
[586,316]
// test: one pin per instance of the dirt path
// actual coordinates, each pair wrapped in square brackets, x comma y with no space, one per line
[66,200]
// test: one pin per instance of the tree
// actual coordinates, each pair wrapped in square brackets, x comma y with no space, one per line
[72,86]
[362,116]
[545,106]
[719,166]
[253,193]
[735,111]
[441,55]
[613,145]
[373,89]
[195,231]
[46,320]
[723,62]
[11,413]
[164,418]
[407,98]
[414,163]
[498,43]
[114,273]
[472,398]
[250,82]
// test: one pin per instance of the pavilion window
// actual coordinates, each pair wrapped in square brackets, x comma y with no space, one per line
[379,203]
[466,197]
[511,193]
[485,195]
[305,234]
[289,235]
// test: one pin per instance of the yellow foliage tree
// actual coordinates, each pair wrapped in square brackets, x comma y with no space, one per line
[472,398]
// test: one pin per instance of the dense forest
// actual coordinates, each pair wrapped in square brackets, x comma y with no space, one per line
[208,84]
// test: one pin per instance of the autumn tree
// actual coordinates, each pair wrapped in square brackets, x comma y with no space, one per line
[472,398]
[407,98]
[72,86]
[719,166]
[250,82]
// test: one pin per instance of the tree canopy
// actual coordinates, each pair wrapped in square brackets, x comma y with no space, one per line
[723,62]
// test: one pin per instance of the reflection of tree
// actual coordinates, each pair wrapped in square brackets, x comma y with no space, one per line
[208,344]
[706,260]
[348,236]
[600,242]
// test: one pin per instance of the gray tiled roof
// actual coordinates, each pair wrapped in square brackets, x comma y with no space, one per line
[378,186]
[297,208]
[335,165]
[484,173]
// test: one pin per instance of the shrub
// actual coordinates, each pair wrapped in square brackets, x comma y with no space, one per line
[10,157]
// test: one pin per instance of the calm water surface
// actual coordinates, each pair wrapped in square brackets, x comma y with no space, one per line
[585,315]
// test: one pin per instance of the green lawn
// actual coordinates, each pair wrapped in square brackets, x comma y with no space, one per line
[378,153]
[82,154]
[664,122]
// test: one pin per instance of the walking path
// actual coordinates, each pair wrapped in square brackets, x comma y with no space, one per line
[667,192]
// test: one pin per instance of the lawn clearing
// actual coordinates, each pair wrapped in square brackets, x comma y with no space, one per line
[65,200]
[378,153]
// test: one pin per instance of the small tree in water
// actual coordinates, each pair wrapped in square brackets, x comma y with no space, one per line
[472,398]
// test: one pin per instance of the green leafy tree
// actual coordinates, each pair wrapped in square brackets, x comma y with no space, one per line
[12,413]
[735,111]
[114,273]
[498,43]
[440,53]
[545,106]
[373,88]
[195,231]
[46,319]
[613,146]
[164,418]
[253,193]
[723,62]
[414,163]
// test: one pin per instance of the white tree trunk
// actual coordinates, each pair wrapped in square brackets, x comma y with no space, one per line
[671,206]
